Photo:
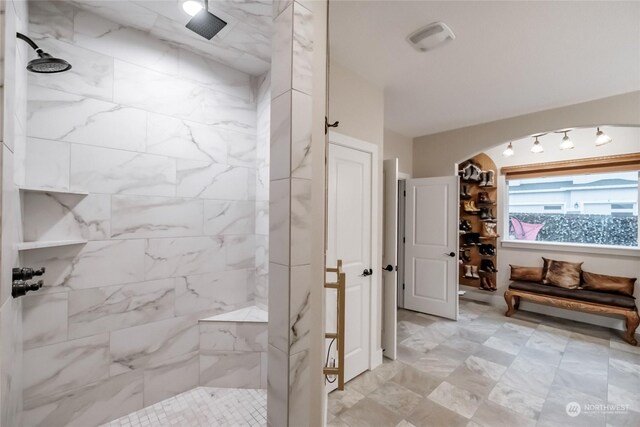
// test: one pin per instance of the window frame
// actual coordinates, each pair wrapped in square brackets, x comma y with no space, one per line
[626,251]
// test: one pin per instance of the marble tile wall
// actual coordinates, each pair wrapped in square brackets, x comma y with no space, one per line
[172,149]
[233,354]
[13,83]
[290,211]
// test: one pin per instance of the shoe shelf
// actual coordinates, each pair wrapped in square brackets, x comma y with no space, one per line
[478,223]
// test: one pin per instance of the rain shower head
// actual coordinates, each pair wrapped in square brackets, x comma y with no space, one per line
[45,63]
[205,23]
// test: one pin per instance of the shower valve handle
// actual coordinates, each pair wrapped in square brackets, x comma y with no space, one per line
[26,273]
[20,288]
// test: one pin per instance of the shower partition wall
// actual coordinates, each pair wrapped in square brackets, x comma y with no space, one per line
[171,149]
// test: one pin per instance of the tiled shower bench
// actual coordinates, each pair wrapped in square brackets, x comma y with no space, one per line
[233,349]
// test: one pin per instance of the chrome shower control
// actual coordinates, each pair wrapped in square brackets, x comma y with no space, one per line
[20,288]
[27,273]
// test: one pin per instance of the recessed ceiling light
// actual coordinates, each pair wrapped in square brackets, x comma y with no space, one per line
[192,7]
[429,37]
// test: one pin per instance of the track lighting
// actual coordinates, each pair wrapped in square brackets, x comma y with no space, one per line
[602,138]
[509,151]
[566,143]
[537,147]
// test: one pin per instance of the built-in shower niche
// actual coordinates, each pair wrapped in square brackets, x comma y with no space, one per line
[59,218]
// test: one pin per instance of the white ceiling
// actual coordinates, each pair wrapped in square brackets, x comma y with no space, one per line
[508,59]
[244,44]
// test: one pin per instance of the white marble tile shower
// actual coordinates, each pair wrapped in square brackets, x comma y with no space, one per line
[165,143]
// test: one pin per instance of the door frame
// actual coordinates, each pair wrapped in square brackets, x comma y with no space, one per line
[375,320]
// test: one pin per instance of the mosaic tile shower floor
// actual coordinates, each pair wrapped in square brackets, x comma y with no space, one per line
[202,407]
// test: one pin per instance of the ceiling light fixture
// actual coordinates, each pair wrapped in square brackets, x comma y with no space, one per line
[567,143]
[602,138]
[509,151]
[537,147]
[429,37]
[192,7]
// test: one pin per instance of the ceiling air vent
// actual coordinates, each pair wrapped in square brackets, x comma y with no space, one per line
[429,37]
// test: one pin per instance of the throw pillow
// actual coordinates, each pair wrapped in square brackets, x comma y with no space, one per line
[604,283]
[526,274]
[563,274]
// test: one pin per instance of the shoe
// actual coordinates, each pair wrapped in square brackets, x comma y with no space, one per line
[484,284]
[483,179]
[464,255]
[466,172]
[465,225]
[475,172]
[486,214]
[490,182]
[483,197]
[489,229]
[492,287]
[467,272]
[474,238]
[464,194]
[470,206]
[487,265]
[487,249]
[474,272]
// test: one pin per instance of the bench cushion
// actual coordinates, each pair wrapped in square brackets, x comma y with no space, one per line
[576,294]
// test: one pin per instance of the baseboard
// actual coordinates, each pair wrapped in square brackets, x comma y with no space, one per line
[496,299]
[376,359]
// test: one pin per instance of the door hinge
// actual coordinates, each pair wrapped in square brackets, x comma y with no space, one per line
[403,286]
[404,240]
[404,193]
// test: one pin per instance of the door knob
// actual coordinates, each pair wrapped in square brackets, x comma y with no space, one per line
[366,272]
[451,254]
[388,268]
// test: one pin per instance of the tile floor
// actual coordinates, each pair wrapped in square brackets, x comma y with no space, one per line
[490,370]
[202,407]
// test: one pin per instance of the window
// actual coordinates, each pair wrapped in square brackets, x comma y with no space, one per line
[597,208]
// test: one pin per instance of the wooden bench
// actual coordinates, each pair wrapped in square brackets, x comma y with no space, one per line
[578,300]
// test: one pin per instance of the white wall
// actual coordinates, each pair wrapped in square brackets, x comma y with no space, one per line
[400,146]
[359,107]
[165,143]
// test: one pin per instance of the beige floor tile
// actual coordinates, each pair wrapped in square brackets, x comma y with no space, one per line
[490,414]
[516,400]
[396,398]
[554,411]
[456,399]
[430,414]
[365,383]
[368,412]
[416,380]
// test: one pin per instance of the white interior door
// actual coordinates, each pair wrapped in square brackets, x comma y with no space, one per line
[349,219]
[390,259]
[431,246]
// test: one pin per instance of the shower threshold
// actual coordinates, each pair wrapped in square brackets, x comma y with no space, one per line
[200,407]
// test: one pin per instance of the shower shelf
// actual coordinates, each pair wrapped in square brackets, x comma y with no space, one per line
[51,190]
[25,246]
